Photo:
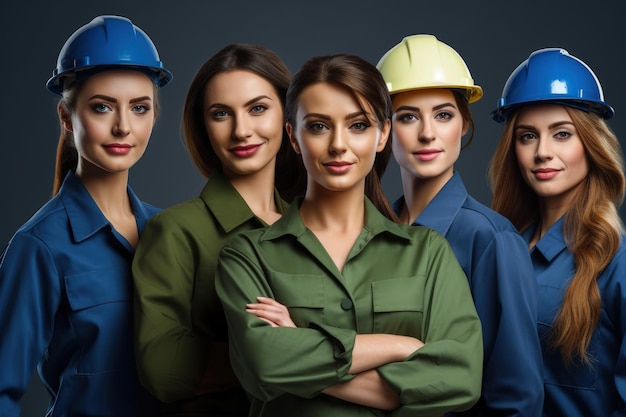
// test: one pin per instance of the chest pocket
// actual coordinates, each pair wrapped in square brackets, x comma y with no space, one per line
[397,304]
[303,295]
[578,376]
[100,313]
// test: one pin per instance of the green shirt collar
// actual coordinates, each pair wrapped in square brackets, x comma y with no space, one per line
[218,190]
[291,223]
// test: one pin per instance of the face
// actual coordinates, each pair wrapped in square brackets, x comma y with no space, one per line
[549,152]
[338,141]
[112,121]
[427,128]
[243,117]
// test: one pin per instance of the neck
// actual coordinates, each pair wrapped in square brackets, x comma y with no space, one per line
[257,190]
[419,192]
[109,191]
[327,210]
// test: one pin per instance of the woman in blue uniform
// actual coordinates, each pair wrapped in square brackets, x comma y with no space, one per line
[431,89]
[65,279]
[558,174]
[368,327]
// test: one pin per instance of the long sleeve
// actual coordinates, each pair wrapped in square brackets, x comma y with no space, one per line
[171,356]
[505,295]
[271,361]
[29,299]
[445,374]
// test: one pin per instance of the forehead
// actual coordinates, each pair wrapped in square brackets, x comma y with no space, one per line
[119,82]
[329,99]
[237,87]
[428,96]
[540,114]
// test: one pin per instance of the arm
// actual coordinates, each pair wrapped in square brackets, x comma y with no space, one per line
[29,298]
[370,351]
[445,374]
[270,361]
[171,358]
[505,295]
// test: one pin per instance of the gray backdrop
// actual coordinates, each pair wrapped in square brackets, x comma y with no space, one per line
[493,38]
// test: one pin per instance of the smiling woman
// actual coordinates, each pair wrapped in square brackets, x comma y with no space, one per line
[558,174]
[65,280]
[357,320]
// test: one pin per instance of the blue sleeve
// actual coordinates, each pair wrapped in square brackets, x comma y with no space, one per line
[617,305]
[29,299]
[505,294]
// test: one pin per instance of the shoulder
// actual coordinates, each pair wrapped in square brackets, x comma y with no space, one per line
[189,212]
[481,219]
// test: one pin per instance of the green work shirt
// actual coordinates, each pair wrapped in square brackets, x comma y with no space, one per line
[397,279]
[179,324]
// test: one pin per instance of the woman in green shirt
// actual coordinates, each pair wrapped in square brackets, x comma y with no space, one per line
[379,319]
[233,122]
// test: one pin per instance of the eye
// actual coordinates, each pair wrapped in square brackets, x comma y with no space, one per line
[259,108]
[101,108]
[141,108]
[563,135]
[220,114]
[445,115]
[360,125]
[406,117]
[525,137]
[316,127]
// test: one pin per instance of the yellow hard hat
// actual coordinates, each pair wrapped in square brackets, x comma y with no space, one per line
[423,61]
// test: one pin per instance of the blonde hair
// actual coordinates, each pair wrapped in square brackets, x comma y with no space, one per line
[592,226]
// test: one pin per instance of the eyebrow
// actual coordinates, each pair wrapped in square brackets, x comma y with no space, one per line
[327,117]
[550,126]
[114,100]
[417,109]
[247,103]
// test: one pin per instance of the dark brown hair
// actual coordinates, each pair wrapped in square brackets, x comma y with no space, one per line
[258,60]
[365,83]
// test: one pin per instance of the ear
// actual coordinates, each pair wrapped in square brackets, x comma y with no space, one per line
[292,138]
[64,117]
[384,136]
[465,127]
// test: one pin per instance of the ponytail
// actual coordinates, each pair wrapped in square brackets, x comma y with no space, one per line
[66,160]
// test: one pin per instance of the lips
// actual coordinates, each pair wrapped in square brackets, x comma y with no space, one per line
[545,173]
[427,154]
[245,151]
[338,167]
[118,148]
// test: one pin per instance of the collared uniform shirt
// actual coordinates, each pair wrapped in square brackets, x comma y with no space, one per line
[181,343]
[580,390]
[396,279]
[495,259]
[66,305]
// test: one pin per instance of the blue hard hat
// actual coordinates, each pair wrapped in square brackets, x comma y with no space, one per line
[107,42]
[552,75]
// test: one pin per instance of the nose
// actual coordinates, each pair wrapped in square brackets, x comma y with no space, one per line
[242,127]
[338,143]
[426,132]
[543,152]
[122,125]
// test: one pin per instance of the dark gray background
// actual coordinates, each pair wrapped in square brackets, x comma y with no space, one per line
[492,37]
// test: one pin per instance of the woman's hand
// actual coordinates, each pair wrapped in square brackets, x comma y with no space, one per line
[271,311]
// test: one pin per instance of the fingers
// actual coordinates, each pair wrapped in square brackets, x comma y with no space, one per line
[271,311]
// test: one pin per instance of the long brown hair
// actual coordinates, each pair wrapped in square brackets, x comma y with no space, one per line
[67,156]
[289,179]
[364,82]
[592,227]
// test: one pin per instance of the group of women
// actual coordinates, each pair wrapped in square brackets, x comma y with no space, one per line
[290,284]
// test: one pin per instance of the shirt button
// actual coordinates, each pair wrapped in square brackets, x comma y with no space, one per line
[346,304]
